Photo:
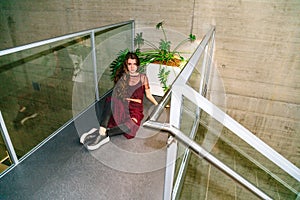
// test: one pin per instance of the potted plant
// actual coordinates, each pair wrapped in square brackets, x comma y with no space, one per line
[161,64]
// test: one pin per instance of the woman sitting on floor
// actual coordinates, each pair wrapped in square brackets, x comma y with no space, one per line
[125,113]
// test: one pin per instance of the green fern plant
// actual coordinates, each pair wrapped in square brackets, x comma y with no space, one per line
[117,63]
[160,53]
[163,75]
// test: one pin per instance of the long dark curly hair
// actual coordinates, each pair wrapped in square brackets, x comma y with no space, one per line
[121,79]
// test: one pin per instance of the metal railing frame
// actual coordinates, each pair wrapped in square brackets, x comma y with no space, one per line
[91,32]
[64,37]
[202,153]
[206,65]
[180,89]
[172,128]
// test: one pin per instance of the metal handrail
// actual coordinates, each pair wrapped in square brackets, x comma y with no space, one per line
[183,89]
[241,131]
[180,88]
[198,150]
[90,32]
[57,39]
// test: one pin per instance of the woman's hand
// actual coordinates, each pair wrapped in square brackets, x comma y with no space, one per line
[150,97]
[134,100]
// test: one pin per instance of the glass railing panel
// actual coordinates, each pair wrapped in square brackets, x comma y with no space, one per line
[179,167]
[204,181]
[108,45]
[37,92]
[208,80]
[194,80]
[47,83]
[242,158]
[82,85]
[190,114]
[216,93]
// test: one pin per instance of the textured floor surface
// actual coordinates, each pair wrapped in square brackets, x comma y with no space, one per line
[64,169]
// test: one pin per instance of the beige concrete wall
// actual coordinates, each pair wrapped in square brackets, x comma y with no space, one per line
[257,49]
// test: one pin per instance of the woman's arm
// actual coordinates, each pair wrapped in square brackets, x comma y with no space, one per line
[134,100]
[150,97]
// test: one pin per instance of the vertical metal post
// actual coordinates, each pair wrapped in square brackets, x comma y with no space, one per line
[170,169]
[176,94]
[6,138]
[175,115]
[94,57]
[182,169]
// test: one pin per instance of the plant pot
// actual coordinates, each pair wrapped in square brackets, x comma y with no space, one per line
[152,71]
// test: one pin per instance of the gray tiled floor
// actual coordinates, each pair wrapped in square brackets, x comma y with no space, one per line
[64,169]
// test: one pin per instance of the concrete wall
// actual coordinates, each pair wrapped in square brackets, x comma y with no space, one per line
[257,49]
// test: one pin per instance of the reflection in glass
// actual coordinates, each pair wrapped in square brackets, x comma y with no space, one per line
[44,87]
[236,154]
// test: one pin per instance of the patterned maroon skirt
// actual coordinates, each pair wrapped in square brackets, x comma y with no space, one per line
[123,112]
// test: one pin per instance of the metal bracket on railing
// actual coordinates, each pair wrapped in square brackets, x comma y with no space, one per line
[170,140]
